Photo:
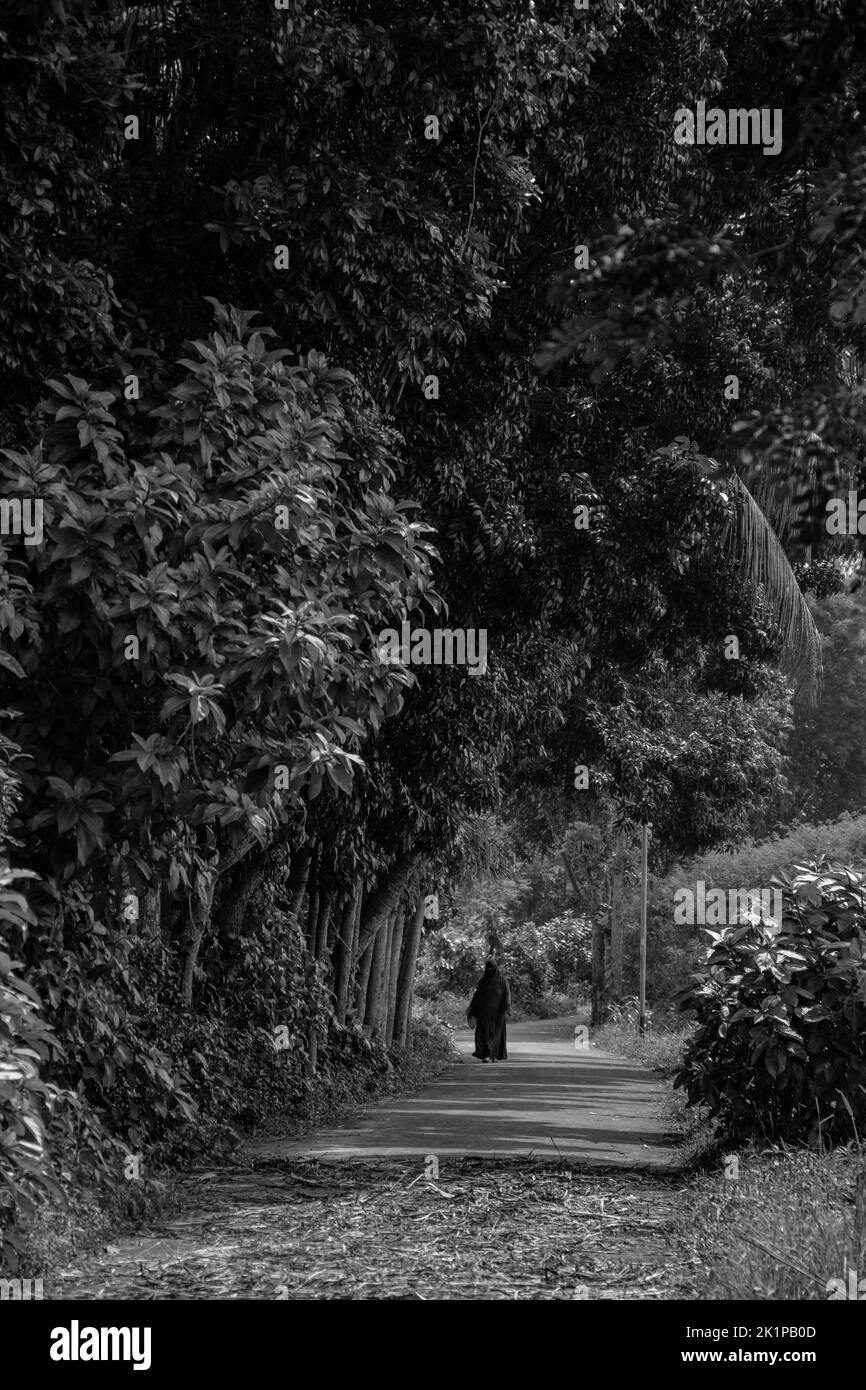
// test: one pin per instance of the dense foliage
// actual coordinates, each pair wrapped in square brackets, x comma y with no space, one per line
[780,1048]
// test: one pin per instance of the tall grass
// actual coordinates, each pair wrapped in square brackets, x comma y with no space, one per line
[660,1046]
[789,1222]
[662,1050]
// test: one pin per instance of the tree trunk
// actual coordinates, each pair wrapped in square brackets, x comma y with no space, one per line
[300,872]
[598,991]
[312,1033]
[312,917]
[169,911]
[229,916]
[326,897]
[378,975]
[318,926]
[312,907]
[201,901]
[340,904]
[566,862]
[397,933]
[406,974]
[345,951]
[248,878]
[383,900]
[365,961]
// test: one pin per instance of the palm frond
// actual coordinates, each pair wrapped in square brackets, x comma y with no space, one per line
[788,491]
[750,541]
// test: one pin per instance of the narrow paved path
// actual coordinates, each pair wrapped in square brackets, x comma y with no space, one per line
[549,1099]
[554,1179]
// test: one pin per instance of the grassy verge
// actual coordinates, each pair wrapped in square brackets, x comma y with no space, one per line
[780,1226]
[57,1234]
[660,1048]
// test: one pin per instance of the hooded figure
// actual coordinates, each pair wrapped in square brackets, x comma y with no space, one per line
[490,1004]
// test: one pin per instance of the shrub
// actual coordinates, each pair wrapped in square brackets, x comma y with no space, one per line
[26,1041]
[444,1008]
[625,1013]
[780,1048]
[26,1172]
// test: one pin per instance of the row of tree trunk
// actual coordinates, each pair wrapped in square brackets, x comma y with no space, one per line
[363,940]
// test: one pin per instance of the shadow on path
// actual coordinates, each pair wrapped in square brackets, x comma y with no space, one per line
[547,1099]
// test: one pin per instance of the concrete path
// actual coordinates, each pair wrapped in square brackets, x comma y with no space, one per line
[549,1098]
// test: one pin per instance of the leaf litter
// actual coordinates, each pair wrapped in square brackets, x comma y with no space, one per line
[511,1228]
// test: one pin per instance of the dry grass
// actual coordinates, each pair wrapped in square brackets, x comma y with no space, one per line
[501,1229]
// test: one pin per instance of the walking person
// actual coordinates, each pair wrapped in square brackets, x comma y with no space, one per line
[490,1005]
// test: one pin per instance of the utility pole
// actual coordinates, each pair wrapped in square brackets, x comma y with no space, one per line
[644,838]
[616,894]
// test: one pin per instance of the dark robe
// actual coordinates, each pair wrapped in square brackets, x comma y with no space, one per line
[490,1002]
